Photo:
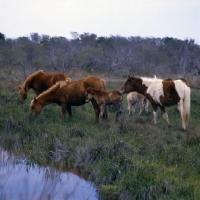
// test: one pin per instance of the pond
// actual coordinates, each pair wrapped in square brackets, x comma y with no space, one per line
[19,180]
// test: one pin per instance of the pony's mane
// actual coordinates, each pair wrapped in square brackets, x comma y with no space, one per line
[149,78]
[49,89]
[33,75]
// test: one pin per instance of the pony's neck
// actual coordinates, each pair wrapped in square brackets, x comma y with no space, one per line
[48,96]
[29,80]
[147,81]
[27,84]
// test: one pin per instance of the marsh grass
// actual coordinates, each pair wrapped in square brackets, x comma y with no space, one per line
[133,159]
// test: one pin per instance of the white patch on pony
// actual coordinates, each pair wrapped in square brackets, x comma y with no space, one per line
[147,81]
[180,88]
[156,90]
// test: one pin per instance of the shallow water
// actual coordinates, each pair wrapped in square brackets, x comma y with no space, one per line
[19,181]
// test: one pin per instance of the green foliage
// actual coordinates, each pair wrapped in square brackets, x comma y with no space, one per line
[2,36]
[115,55]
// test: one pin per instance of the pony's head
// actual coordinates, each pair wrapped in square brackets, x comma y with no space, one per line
[131,84]
[35,107]
[23,92]
[88,95]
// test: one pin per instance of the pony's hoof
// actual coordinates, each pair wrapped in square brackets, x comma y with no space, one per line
[182,130]
[169,125]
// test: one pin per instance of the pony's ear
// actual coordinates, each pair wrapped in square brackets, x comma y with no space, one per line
[129,78]
[35,100]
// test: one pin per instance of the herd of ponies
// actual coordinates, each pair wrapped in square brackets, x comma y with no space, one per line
[58,88]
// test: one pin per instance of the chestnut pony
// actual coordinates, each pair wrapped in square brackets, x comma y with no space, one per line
[105,98]
[67,95]
[162,93]
[134,98]
[39,82]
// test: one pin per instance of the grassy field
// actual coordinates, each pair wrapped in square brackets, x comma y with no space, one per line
[133,159]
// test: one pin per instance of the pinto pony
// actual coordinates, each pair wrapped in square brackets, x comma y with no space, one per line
[67,95]
[134,98]
[162,93]
[105,98]
[39,82]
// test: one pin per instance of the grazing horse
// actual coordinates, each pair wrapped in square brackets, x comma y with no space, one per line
[105,98]
[39,82]
[134,98]
[162,93]
[67,95]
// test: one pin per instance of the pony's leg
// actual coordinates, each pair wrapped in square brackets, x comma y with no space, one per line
[180,108]
[96,110]
[117,107]
[164,114]
[146,103]
[69,111]
[155,117]
[133,105]
[129,107]
[105,114]
[63,106]
[141,105]
[154,106]
[102,110]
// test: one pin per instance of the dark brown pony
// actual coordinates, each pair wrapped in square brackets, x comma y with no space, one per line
[39,82]
[105,98]
[67,95]
[162,93]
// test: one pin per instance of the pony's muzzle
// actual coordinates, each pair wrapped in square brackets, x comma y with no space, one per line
[87,101]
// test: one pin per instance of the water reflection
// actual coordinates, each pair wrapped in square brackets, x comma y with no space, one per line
[21,181]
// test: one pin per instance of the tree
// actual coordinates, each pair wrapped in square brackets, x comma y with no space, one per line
[2,37]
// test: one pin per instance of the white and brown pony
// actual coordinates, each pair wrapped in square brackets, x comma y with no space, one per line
[104,98]
[39,82]
[135,98]
[162,93]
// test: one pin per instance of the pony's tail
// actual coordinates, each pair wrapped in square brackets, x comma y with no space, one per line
[186,105]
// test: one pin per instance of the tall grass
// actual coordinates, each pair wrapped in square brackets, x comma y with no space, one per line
[133,159]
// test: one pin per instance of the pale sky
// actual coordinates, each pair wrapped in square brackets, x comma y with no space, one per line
[146,18]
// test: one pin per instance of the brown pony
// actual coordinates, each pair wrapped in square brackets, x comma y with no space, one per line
[67,95]
[134,98]
[162,93]
[105,98]
[39,82]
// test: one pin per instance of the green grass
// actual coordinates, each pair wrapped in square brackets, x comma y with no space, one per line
[133,159]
